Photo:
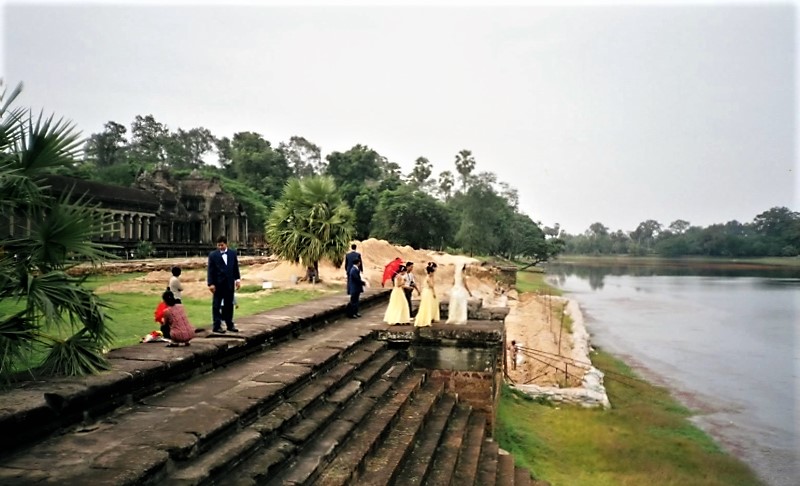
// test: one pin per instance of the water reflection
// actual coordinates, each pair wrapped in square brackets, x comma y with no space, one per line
[595,273]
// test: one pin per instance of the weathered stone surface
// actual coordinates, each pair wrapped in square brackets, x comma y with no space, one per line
[309,394]
[383,464]
[487,463]
[444,463]
[316,358]
[345,393]
[505,469]
[202,420]
[309,461]
[311,423]
[262,466]
[131,458]
[467,465]
[223,458]
[419,462]
[291,375]
[283,415]
[367,373]
[179,445]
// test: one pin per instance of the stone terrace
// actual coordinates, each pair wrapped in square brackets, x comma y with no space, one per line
[301,396]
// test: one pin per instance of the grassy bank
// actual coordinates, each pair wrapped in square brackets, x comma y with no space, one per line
[645,438]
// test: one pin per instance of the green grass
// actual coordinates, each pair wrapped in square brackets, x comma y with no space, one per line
[644,439]
[532,280]
[132,314]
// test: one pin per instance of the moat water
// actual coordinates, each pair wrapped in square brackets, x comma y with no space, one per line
[726,341]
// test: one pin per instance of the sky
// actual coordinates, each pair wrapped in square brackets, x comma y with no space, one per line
[595,112]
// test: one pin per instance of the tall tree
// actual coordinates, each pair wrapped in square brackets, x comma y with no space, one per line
[679,226]
[465,164]
[353,169]
[148,140]
[421,172]
[310,223]
[304,157]
[408,217]
[108,147]
[33,264]
[185,149]
[446,183]
[258,165]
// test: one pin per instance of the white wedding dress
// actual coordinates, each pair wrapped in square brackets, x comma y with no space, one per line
[457,308]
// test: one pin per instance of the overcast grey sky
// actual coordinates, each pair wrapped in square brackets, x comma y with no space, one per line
[612,113]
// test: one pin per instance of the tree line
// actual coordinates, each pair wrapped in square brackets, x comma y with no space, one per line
[460,208]
[774,232]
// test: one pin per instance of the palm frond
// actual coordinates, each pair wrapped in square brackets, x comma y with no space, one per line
[75,356]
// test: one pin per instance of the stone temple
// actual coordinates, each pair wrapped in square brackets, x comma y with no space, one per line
[177,216]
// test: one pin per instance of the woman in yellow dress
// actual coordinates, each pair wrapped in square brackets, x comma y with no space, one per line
[398,311]
[429,304]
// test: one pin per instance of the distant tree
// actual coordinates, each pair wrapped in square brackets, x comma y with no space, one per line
[446,183]
[41,306]
[679,226]
[304,157]
[510,194]
[224,152]
[310,223]
[420,173]
[257,164]
[644,235]
[465,164]
[408,217]
[187,149]
[148,140]
[108,147]
[353,169]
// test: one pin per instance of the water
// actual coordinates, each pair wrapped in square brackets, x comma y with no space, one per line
[725,340]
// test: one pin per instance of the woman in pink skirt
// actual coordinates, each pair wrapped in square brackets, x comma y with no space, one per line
[180,330]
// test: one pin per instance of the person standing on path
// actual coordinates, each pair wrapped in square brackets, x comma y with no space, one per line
[355,286]
[175,285]
[351,258]
[410,286]
[223,280]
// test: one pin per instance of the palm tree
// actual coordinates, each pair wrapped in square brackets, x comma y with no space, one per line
[310,223]
[465,164]
[42,307]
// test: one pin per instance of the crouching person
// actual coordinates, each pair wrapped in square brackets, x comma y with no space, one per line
[180,330]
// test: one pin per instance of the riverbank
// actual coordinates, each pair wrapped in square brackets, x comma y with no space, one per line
[645,438]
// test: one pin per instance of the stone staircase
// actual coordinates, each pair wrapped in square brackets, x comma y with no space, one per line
[327,404]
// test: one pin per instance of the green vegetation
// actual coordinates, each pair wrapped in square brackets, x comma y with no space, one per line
[645,438]
[772,233]
[532,280]
[45,308]
[698,261]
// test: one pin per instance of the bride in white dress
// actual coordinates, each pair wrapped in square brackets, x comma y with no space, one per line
[457,308]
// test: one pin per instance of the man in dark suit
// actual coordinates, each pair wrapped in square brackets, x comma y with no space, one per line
[355,286]
[223,281]
[350,258]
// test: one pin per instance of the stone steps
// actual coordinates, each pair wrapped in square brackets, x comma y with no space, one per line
[32,410]
[201,428]
[317,403]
